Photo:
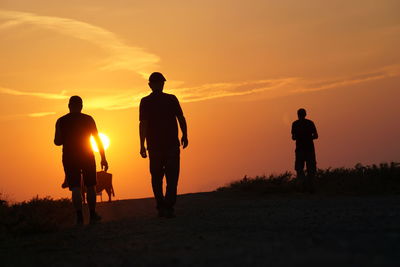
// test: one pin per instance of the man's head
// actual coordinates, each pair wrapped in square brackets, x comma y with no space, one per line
[75,104]
[301,113]
[156,82]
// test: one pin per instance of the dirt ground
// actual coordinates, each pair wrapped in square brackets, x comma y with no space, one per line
[225,228]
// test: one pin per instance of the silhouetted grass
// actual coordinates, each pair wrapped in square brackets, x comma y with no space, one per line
[370,179]
[38,215]
[41,215]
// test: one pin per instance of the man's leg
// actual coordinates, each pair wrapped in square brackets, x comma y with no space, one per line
[157,173]
[311,171]
[89,179]
[91,198]
[299,167]
[77,202]
[172,175]
[83,190]
[73,178]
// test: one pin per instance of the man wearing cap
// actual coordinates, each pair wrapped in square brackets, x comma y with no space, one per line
[304,132]
[73,132]
[158,115]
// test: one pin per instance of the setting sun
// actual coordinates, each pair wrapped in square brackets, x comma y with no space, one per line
[104,139]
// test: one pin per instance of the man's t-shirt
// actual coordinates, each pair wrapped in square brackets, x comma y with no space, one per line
[304,130]
[75,130]
[160,111]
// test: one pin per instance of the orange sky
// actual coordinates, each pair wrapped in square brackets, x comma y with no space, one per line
[240,70]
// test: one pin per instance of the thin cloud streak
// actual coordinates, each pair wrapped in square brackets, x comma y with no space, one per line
[122,56]
[387,72]
[8,91]
[219,90]
[40,114]
[189,94]
[273,87]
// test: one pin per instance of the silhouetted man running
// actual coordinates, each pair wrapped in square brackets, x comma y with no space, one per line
[73,132]
[304,132]
[158,127]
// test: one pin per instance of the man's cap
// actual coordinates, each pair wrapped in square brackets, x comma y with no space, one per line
[75,100]
[157,77]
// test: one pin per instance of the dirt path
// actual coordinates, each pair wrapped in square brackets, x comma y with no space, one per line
[222,229]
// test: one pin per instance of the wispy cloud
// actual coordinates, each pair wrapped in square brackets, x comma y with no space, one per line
[218,90]
[270,88]
[10,117]
[188,94]
[121,55]
[8,91]
[281,87]
[40,114]
[310,86]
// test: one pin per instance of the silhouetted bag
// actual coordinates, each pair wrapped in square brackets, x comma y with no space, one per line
[104,182]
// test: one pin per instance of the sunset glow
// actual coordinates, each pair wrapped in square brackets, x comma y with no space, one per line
[104,140]
[240,70]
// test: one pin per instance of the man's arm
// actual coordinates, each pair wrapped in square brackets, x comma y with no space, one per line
[95,133]
[104,163]
[143,127]
[143,124]
[315,133]
[183,125]
[182,122]
[58,136]
[294,137]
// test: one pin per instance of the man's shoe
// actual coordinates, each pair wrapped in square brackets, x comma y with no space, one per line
[95,218]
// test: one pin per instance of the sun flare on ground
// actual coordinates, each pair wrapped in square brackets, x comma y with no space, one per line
[104,139]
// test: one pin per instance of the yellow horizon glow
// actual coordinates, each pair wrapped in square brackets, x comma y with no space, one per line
[104,140]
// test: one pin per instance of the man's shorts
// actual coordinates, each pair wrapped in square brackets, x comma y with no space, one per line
[165,162]
[77,171]
[305,157]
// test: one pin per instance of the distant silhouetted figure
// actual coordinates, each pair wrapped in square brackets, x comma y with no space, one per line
[73,132]
[158,127]
[304,132]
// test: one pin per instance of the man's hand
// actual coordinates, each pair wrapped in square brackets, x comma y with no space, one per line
[184,141]
[143,152]
[104,165]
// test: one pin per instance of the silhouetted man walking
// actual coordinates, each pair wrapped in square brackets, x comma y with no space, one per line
[304,132]
[73,132]
[158,127]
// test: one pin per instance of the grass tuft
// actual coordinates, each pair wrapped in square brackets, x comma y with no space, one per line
[370,179]
[39,215]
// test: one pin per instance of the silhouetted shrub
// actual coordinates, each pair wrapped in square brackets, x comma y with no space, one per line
[35,216]
[369,179]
